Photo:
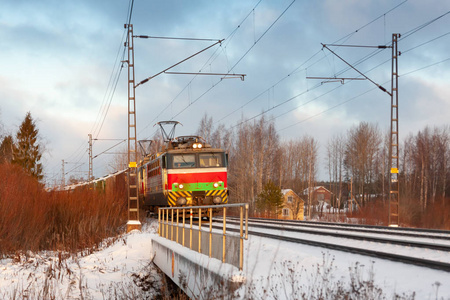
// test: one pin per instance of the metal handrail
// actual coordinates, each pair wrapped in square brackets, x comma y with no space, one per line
[164,224]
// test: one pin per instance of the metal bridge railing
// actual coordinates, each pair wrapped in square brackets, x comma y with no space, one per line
[223,246]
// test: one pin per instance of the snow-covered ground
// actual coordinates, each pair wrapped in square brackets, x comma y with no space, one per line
[269,262]
[121,270]
[274,269]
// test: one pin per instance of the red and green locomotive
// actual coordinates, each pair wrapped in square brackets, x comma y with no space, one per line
[187,172]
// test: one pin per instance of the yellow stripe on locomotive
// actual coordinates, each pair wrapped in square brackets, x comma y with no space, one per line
[190,198]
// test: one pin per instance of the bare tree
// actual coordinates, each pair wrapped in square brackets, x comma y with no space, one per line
[427,161]
[299,167]
[363,145]
[240,172]
[119,161]
[206,128]
[335,164]
[252,160]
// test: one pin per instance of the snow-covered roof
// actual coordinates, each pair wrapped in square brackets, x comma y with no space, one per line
[285,191]
[313,189]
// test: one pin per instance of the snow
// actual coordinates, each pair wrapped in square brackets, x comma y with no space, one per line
[122,268]
[133,222]
[437,255]
[100,275]
[392,277]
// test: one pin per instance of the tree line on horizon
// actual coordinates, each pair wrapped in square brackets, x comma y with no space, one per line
[258,157]
[357,157]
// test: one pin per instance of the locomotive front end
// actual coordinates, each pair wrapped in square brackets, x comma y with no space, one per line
[197,177]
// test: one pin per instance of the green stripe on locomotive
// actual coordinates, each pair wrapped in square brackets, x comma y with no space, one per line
[199,186]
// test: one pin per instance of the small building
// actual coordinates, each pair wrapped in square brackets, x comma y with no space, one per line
[293,208]
[319,195]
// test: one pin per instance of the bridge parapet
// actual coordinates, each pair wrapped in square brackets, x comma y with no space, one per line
[204,263]
[227,247]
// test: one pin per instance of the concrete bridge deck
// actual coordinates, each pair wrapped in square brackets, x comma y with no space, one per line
[198,275]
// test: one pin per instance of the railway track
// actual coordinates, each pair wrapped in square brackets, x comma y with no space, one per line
[412,232]
[299,233]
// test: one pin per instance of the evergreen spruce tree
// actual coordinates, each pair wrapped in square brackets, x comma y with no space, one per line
[270,198]
[26,150]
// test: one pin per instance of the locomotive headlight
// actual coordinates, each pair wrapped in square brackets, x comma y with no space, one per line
[217,200]
[199,146]
[194,146]
[216,184]
[181,186]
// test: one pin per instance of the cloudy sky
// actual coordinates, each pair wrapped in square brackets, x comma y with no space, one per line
[61,61]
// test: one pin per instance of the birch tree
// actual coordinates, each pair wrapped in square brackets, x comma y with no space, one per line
[335,165]
[363,144]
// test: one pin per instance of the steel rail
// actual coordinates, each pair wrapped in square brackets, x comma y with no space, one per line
[405,231]
[378,254]
[327,232]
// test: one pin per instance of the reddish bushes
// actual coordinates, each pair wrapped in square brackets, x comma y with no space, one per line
[436,216]
[33,219]
[373,213]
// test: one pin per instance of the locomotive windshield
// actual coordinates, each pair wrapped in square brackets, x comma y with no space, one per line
[210,160]
[183,161]
[200,160]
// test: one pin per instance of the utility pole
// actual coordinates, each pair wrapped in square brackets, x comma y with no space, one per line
[394,200]
[133,202]
[90,173]
[394,193]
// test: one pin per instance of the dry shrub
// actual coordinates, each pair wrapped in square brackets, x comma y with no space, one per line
[374,213]
[33,219]
[435,216]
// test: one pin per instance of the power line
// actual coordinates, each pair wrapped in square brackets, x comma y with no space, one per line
[238,61]
[115,145]
[425,67]
[104,108]
[374,20]
[427,42]
[228,39]
[333,107]
[361,60]
[418,28]
[290,99]
[362,94]
[113,86]
[262,35]
[346,37]
[110,100]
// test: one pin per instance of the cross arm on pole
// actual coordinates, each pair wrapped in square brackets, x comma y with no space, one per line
[148,78]
[225,75]
[379,86]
